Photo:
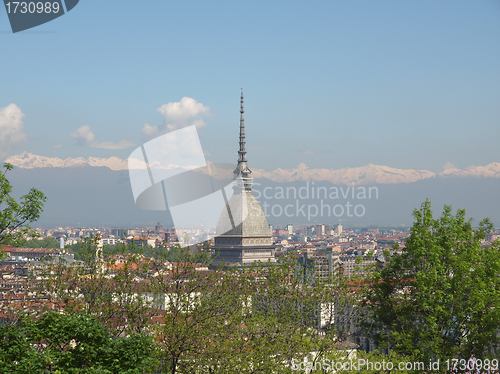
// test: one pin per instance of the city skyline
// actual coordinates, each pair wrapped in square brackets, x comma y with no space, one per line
[141,231]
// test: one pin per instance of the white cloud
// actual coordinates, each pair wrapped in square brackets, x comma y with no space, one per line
[122,144]
[186,108]
[199,123]
[184,113]
[82,136]
[448,166]
[148,130]
[11,129]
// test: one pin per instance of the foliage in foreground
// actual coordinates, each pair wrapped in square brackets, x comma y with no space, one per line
[253,320]
[439,299]
[58,343]
[15,217]
[225,321]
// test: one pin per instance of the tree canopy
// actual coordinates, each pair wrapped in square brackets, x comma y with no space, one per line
[439,298]
[15,217]
[250,320]
[59,343]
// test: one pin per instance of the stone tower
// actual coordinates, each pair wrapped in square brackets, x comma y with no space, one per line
[250,241]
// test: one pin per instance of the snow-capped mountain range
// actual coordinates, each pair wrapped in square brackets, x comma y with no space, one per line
[30,161]
[369,174]
[364,175]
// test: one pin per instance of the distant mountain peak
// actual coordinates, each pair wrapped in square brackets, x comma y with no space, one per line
[489,171]
[362,175]
[28,160]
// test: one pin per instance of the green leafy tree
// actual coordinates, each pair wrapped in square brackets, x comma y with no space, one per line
[440,298]
[113,289]
[59,343]
[15,217]
[40,243]
[251,320]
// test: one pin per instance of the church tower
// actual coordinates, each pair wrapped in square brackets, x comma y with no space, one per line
[249,241]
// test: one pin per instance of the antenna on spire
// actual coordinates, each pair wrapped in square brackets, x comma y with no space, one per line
[242,153]
[246,173]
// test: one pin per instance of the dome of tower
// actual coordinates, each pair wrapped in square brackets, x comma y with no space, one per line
[243,217]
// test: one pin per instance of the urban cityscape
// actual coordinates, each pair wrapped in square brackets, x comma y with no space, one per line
[250,187]
[344,262]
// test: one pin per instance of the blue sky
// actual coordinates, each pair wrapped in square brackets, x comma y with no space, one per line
[332,84]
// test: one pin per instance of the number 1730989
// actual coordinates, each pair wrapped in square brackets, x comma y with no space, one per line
[32,7]
[472,364]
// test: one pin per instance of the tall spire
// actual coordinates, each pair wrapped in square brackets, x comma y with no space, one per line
[242,153]
[246,173]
